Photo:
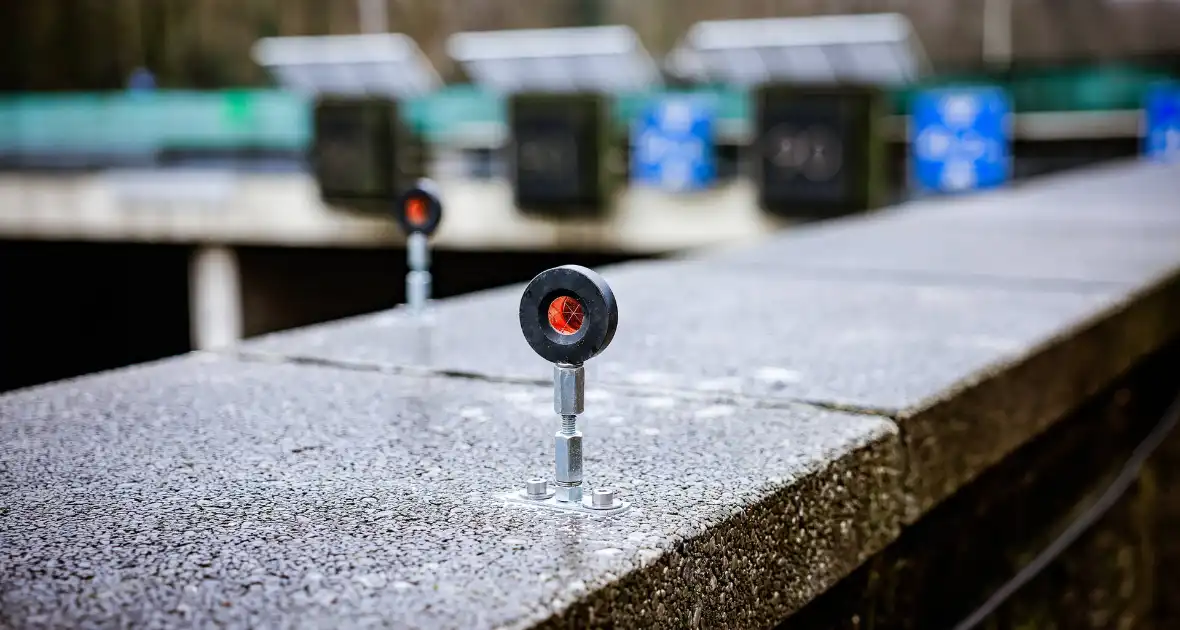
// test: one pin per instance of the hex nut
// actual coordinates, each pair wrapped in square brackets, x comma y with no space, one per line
[568,456]
[569,389]
[569,494]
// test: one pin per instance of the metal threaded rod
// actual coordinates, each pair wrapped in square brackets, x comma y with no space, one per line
[568,397]
[418,279]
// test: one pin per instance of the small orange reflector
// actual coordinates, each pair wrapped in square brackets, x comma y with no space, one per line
[416,211]
[566,315]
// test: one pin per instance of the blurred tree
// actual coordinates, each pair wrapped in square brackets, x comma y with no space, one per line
[96,44]
[590,12]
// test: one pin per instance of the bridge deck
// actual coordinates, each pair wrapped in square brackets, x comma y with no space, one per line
[777,415]
[285,210]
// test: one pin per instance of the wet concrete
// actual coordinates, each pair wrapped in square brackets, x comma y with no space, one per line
[976,322]
[778,426]
[1118,574]
[209,491]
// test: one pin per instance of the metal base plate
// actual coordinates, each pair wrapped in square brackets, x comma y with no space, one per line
[518,497]
[588,502]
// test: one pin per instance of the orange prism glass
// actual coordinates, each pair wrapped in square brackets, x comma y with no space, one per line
[416,211]
[566,315]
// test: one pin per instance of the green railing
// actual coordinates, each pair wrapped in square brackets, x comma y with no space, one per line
[148,123]
[136,123]
[1106,88]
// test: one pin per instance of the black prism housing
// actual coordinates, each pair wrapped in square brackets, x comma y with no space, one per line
[818,151]
[560,153]
[593,294]
[431,214]
[362,155]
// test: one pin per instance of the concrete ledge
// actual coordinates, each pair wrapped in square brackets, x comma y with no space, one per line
[951,440]
[1120,573]
[212,491]
[965,387]
[974,335]
[778,415]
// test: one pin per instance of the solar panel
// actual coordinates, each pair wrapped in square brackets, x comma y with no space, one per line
[379,64]
[588,59]
[875,49]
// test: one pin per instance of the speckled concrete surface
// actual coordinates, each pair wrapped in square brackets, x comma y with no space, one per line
[977,321]
[1110,224]
[874,345]
[943,567]
[204,491]
[914,251]
[967,388]
[1128,198]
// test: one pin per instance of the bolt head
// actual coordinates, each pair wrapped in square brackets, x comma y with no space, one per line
[536,487]
[603,497]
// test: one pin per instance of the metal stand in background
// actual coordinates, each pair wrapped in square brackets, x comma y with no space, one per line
[568,316]
[418,278]
[419,212]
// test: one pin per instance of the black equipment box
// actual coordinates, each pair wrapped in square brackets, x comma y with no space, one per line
[362,155]
[818,151]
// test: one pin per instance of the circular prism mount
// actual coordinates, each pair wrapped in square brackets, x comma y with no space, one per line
[568,314]
[418,211]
